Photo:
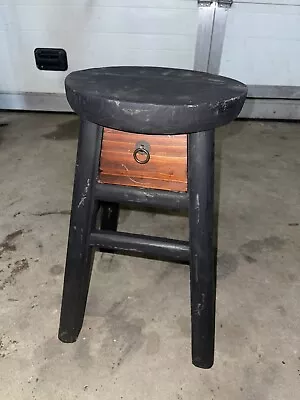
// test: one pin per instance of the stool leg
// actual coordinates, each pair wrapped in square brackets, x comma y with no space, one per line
[202,268]
[83,218]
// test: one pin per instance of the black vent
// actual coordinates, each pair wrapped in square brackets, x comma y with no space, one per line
[48,59]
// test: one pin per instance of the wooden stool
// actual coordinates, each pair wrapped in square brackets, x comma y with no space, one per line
[157,149]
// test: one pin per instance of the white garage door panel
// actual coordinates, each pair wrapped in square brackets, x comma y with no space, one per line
[83,54]
[262,44]
[105,19]
[3,18]
[94,33]
[273,2]
[9,80]
[109,3]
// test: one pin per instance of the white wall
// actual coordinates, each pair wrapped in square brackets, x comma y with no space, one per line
[262,43]
[94,33]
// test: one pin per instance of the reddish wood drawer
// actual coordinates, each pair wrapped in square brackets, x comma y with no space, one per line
[166,169]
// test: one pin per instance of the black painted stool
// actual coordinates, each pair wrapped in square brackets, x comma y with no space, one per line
[153,101]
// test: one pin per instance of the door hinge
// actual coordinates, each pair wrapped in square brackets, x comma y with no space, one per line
[219,3]
[205,3]
[225,3]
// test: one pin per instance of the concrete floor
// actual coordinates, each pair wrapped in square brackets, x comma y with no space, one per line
[135,343]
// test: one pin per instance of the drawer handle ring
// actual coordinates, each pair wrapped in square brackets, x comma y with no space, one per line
[141,154]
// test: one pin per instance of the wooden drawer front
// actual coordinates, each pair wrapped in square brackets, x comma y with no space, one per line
[166,169]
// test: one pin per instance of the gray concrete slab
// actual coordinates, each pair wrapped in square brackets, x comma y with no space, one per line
[135,343]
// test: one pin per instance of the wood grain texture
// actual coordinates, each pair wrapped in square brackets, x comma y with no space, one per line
[166,169]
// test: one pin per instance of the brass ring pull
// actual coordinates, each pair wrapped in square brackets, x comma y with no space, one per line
[141,154]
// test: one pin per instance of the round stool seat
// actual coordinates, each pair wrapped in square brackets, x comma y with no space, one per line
[154,100]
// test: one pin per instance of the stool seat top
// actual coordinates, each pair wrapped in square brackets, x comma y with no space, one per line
[154,100]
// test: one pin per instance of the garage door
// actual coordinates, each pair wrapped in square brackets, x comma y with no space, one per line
[262,43]
[262,48]
[94,33]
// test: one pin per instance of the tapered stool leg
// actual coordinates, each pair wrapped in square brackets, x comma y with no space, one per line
[202,268]
[83,216]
